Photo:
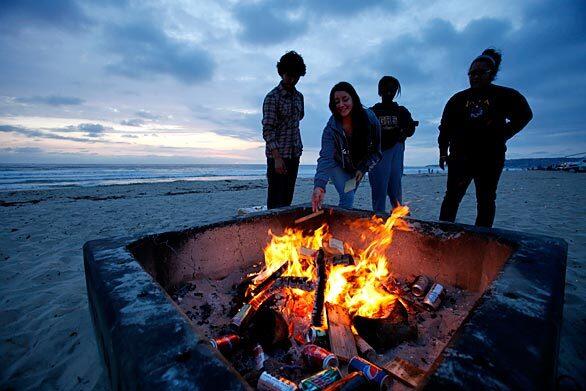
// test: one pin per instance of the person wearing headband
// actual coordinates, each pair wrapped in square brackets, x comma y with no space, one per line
[475,126]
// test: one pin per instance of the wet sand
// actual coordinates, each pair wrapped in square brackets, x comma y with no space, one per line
[46,336]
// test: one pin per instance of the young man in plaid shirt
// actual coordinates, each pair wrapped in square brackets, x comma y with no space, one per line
[282,110]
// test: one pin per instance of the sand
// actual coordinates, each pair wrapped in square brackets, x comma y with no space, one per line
[46,335]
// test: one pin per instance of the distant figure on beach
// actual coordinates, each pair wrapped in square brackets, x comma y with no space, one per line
[475,126]
[396,125]
[350,146]
[282,111]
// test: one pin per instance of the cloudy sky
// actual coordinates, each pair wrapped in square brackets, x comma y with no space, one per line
[115,81]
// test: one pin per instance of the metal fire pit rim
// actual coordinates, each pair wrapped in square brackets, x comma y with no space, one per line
[467,361]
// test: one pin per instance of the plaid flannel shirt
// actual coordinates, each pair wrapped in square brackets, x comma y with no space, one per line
[282,110]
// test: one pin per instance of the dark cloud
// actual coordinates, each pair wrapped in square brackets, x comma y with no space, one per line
[132,122]
[36,134]
[16,15]
[144,50]
[269,22]
[51,100]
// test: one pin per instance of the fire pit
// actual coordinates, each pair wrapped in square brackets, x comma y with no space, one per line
[263,288]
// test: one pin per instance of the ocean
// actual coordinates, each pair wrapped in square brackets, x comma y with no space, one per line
[19,177]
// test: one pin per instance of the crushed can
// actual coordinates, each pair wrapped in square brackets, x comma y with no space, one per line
[373,373]
[420,286]
[320,380]
[354,381]
[318,357]
[227,343]
[433,298]
[268,382]
[317,336]
[242,317]
[259,357]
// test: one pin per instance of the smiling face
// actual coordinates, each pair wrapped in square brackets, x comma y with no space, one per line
[480,74]
[343,102]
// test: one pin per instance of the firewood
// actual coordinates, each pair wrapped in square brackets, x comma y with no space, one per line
[405,371]
[309,216]
[365,349]
[341,338]
[385,333]
[320,292]
[258,287]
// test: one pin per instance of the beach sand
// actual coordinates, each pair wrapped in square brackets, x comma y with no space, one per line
[46,335]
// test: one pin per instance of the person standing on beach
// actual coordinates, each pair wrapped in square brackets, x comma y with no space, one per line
[282,111]
[396,125]
[350,146]
[475,126]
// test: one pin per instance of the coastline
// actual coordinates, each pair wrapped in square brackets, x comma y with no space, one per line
[46,331]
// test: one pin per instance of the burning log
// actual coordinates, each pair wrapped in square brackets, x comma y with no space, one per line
[258,287]
[341,337]
[343,259]
[303,283]
[385,333]
[269,328]
[320,293]
[247,311]
[405,371]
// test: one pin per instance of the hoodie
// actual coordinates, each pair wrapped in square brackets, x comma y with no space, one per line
[335,150]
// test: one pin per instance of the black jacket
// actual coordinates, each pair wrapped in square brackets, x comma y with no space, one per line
[396,123]
[477,122]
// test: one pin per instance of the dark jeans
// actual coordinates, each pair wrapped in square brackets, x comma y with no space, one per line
[281,187]
[486,176]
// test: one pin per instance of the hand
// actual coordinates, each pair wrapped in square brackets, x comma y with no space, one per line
[317,198]
[280,166]
[443,161]
[359,176]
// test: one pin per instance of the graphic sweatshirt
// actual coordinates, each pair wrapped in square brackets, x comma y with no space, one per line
[477,122]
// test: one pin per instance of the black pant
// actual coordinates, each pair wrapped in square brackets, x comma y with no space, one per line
[486,176]
[281,186]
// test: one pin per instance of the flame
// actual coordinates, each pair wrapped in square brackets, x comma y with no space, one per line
[361,288]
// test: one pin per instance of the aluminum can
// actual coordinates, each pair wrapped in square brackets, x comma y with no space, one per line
[227,343]
[420,286]
[354,381]
[320,380]
[433,298]
[318,336]
[259,357]
[242,317]
[268,382]
[318,357]
[373,373]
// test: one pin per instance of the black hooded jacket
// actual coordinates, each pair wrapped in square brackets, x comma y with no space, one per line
[396,123]
[477,122]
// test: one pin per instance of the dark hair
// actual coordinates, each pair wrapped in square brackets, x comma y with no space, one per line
[358,114]
[389,83]
[291,63]
[493,58]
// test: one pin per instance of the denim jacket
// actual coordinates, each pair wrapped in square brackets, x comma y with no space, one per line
[335,152]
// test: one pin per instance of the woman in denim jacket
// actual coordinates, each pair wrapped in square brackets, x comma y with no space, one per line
[350,146]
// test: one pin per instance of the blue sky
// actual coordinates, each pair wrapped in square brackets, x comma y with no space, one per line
[115,81]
